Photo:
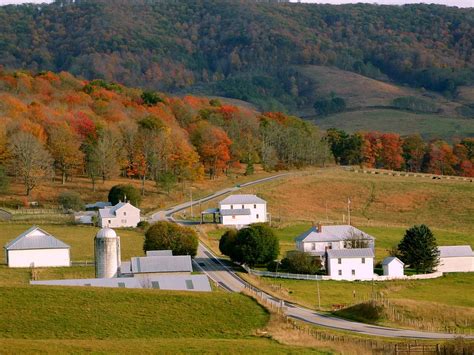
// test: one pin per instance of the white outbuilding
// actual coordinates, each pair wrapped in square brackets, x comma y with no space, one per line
[242,210]
[350,264]
[122,215]
[393,267]
[456,258]
[37,248]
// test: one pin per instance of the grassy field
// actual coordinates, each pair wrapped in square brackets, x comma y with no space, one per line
[80,238]
[119,321]
[386,120]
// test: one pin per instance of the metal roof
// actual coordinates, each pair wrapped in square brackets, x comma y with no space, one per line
[390,259]
[159,253]
[179,263]
[35,238]
[110,212]
[242,199]
[235,212]
[332,234]
[350,253]
[98,204]
[452,251]
[162,282]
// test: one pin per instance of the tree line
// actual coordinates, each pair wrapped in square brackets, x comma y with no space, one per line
[410,153]
[59,125]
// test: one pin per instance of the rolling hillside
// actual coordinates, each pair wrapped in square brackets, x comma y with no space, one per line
[274,55]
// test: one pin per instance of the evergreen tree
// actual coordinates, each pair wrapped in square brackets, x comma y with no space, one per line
[418,249]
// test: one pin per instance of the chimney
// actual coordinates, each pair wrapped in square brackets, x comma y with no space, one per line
[320,227]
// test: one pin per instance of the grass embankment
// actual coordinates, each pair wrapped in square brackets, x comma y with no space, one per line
[114,320]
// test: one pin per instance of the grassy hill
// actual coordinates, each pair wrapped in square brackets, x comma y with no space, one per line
[120,321]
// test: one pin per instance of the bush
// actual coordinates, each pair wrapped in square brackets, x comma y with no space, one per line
[124,192]
[298,262]
[151,98]
[143,225]
[328,106]
[71,200]
[171,236]
[227,242]
[254,245]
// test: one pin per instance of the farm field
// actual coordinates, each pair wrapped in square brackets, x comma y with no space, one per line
[104,320]
[430,126]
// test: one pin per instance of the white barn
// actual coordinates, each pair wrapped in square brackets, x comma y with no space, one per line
[123,214]
[242,210]
[393,266]
[319,239]
[456,258]
[37,248]
[351,264]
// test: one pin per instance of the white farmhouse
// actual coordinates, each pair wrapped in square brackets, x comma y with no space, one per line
[123,214]
[351,264]
[393,267]
[37,248]
[456,258]
[242,210]
[319,239]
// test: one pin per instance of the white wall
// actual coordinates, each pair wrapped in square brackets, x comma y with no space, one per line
[318,246]
[456,264]
[394,269]
[127,216]
[38,257]
[258,214]
[362,271]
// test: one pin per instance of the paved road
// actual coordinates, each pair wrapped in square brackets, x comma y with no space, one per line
[217,271]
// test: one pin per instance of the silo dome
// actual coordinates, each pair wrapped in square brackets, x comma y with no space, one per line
[106,233]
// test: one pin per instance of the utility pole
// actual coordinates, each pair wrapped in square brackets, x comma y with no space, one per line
[191,194]
[349,210]
[319,295]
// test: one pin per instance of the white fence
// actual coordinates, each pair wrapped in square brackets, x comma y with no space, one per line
[287,275]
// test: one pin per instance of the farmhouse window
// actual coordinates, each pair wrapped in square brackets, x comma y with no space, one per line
[110,221]
[125,213]
[243,206]
[353,272]
[340,272]
[121,284]
[257,216]
[339,261]
[233,217]
[254,206]
[155,284]
[231,207]
[363,260]
[313,246]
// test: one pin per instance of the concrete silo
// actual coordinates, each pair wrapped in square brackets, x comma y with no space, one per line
[107,254]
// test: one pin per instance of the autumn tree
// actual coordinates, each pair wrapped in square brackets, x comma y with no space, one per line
[391,152]
[414,149]
[29,160]
[64,146]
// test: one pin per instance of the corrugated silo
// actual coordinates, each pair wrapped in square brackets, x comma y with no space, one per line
[107,253]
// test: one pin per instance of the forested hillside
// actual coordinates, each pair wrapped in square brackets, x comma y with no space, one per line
[241,49]
[55,124]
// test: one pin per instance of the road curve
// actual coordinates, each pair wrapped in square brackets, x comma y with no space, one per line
[227,279]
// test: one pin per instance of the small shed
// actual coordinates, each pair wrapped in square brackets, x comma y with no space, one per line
[37,248]
[456,258]
[393,266]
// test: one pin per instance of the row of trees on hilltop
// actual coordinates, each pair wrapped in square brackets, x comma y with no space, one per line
[411,153]
[55,124]
[240,45]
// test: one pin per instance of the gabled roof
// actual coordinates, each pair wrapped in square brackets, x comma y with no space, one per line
[242,199]
[391,259]
[235,212]
[35,238]
[110,211]
[179,263]
[159,253]
[451,251]
[350,253]
[332,234]
[98,204]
